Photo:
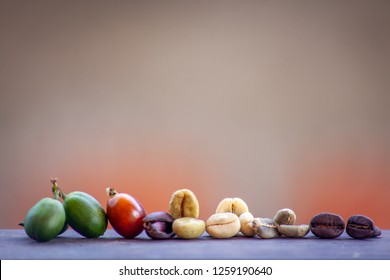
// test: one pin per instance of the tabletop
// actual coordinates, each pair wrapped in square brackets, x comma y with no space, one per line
[14,245]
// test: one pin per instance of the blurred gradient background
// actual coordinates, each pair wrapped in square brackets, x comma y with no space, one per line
[281,103]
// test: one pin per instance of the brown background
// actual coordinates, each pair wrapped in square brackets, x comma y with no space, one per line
[281,103]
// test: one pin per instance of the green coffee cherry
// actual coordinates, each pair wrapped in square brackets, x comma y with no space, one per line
[84,214]
[45,220]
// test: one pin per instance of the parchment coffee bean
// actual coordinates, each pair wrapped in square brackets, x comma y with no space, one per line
[265,228]
[246,220]
[188,228]
[183,203]
[232,205]
[285,216]
[294,231]
[361,227]
[223,225]
[327,225]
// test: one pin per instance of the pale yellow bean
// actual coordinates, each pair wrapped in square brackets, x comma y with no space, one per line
[232,205]
[246,220]
[188,228]
[183,203]
[295,231]
[285,216]
[223,225]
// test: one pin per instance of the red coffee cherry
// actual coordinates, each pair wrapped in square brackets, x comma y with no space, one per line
[125,213]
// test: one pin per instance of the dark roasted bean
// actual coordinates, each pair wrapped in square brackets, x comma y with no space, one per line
[361,227]
[327,225]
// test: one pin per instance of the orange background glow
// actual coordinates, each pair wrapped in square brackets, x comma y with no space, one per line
[283,104]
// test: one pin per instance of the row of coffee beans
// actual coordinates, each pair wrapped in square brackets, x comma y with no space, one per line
[232,216]
[328,225]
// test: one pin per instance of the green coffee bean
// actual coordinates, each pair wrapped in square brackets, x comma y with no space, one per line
[232,205]
[188,227]
[285,216]
[265,228]
[295,231]
[223,225]
[246,220]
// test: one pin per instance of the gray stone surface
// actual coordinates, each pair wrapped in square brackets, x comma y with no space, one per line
[14,244]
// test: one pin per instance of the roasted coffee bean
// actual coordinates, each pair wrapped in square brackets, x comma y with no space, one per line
[361,227]
[327,225]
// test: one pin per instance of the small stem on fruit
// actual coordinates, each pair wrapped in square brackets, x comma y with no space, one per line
[53,181]
[55,188]
[61,194]
[111,192]
[57,192]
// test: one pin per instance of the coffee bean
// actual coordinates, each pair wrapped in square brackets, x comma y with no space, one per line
[232,205]
[183,203]
[246,220]
[294,231]
[285,216]
[188,228]
[265,228]
[223,225]
[158,225]
[361,227]
[327,225]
